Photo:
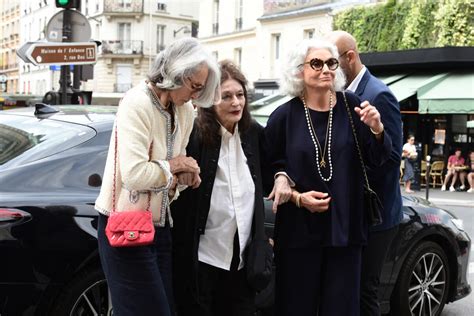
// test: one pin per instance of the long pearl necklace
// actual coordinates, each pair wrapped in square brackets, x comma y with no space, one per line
[327,143]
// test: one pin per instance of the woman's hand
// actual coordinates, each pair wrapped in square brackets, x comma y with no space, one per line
[184,164]
[314,201]
[172,189]
[370,116]
[281,192]
[190,179]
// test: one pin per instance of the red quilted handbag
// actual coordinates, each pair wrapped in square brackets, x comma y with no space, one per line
[129,228]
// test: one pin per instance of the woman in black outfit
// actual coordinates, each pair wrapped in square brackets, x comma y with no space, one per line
[319,236]
[214,223]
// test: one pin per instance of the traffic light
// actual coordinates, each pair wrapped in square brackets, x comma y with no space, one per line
[68,4]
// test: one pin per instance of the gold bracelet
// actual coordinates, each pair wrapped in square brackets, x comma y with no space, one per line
[373,132]
[298,200]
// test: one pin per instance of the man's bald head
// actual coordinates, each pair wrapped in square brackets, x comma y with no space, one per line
[349,59]
[343,40]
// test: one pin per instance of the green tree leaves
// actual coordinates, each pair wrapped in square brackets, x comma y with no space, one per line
[409,24]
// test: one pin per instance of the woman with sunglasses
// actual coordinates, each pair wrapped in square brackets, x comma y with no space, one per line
[320,232]
[146,162]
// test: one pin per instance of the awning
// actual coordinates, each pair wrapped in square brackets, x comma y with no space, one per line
[391,79]
[453,94]
[408,86]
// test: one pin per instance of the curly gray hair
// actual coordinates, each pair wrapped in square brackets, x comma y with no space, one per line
[292,81]
[181,59]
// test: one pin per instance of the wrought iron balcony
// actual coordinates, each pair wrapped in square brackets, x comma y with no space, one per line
[119,47]
[238,24]
[215,28]
[131,6]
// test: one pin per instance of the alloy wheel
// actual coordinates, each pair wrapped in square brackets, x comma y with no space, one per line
[427,285]
[94,301]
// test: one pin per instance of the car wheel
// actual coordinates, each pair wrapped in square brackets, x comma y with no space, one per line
[85,295]
[423,283]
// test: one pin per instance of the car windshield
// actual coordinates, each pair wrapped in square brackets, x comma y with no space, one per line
[26,139]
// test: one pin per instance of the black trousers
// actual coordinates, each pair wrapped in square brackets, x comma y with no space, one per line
[139,278]
[222,292]
[322,281]
[373,257]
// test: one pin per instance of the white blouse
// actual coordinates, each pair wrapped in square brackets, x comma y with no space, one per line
[232,205]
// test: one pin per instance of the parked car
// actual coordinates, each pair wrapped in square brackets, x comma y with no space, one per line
[51,166]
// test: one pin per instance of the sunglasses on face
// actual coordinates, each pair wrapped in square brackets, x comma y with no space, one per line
[318,64]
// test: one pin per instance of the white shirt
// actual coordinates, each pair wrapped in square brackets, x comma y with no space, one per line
[355,83]
[232,205]
[411,149]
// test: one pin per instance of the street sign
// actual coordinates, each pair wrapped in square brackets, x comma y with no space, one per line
[45,53]
[80,27]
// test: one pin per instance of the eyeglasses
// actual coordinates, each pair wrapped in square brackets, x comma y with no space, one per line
[318,64]
[344,53]
[195,87]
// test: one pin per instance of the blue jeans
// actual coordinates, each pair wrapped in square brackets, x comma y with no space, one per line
[139,278]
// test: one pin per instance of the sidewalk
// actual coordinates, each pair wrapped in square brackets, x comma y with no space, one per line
[436,196]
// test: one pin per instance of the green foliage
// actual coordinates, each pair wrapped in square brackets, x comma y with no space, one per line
[396,25]
[419,24]
[454,22]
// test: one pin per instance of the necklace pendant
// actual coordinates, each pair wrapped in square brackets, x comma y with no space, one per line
[322,163]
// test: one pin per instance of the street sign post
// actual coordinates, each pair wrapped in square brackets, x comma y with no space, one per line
[80,27]
[45,53]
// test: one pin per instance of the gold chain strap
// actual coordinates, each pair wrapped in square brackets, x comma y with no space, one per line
[356,140]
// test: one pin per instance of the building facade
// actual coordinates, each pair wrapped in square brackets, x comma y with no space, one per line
[256,34]
[34,17]
[130,32]
[9,41]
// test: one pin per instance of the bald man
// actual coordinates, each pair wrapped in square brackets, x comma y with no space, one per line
[383,180]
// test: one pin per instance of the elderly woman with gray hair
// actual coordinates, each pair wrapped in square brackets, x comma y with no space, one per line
[147,167]
[320,232]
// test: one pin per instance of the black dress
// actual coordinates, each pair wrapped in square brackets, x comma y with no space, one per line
[290,148]
[318,255]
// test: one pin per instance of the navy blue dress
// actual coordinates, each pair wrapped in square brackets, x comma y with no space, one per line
[289,147]
[318,255]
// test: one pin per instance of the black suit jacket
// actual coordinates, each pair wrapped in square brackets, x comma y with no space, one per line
[384,180]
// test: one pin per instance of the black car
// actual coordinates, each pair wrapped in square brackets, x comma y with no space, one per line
[51,165]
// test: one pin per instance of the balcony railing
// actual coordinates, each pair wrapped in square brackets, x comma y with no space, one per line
[215,28]
[122,47]
[122,87]
[131,6]
[238,24]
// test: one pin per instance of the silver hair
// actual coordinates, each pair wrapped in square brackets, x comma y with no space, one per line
[183,58]
[292,80]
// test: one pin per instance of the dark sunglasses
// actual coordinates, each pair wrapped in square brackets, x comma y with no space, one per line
[318,64]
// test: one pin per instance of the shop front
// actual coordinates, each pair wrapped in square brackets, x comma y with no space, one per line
[435,90]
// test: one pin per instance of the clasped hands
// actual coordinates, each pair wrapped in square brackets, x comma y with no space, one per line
[185,171]
[313,201]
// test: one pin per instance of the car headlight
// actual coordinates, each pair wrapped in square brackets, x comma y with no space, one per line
[458,223]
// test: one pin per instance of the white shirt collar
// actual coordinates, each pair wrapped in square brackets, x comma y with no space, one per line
[355,83]
[225,133]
